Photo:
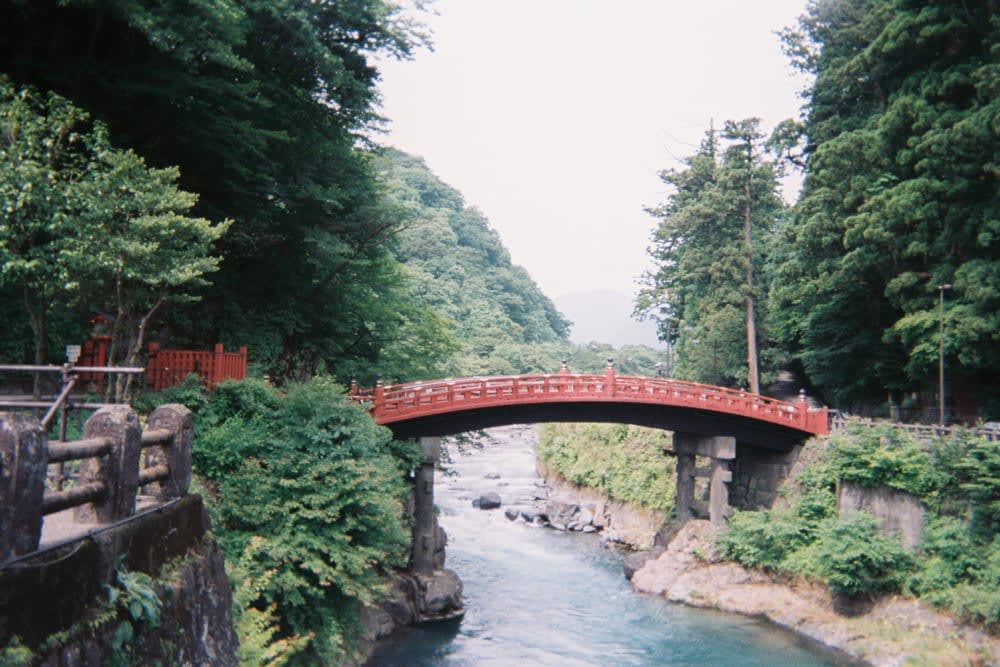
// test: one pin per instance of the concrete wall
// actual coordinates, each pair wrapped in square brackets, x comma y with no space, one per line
[898,513]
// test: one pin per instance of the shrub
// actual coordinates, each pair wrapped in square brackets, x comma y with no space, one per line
[850,557]
[761,539]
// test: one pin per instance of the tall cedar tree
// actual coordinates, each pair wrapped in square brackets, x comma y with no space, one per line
[900,197]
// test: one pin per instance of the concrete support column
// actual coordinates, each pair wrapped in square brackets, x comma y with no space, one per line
[721,449]
[23,465]
[423,510]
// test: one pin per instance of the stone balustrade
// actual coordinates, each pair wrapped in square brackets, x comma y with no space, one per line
[112,470]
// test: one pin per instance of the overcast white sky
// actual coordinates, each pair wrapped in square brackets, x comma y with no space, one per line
[553,117]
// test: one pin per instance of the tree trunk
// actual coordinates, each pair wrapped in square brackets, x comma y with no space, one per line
[752,375]
[136,348]
[38,316]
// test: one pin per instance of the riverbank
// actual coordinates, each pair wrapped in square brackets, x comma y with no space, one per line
[893,631]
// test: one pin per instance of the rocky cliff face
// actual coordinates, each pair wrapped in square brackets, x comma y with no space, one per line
[58,604]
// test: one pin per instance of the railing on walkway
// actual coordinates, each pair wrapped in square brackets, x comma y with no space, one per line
[417,399]
[116,459]
[61,403]
[840,421]
[168,368]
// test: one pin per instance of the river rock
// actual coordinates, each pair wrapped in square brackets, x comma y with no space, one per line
[636,560]
[442,596]
[487,501]
[560,512]
[585,516]
[588,529]
[492,475]
[511,513]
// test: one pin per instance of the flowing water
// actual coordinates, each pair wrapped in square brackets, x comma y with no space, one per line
[536,596]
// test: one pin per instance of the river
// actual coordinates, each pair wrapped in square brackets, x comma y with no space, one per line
[536,596]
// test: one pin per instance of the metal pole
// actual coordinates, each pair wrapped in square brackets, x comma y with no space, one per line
[941,415]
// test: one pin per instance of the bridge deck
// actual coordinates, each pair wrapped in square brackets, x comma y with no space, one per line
[419,400]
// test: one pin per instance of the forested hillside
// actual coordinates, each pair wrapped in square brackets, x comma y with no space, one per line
[264,108]
[891,250]
[457,265]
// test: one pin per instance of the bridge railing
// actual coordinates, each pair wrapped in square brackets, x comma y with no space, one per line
[403,400]
[116,459]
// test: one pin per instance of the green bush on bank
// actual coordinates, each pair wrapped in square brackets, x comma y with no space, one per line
[308,505]
[624,462]
[957,563]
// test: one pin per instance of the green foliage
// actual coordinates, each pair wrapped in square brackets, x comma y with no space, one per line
[899,197]
[308,501]
[87,223]
[981,468]
[708,264]
[850,557]
[624,462]
[957,563]
[883,456]
[761,539]
[16,654]
[458,266]
[133,596]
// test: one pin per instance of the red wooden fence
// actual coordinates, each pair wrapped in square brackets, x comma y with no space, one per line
[168,368]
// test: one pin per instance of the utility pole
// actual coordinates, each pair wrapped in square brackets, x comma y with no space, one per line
[941,415]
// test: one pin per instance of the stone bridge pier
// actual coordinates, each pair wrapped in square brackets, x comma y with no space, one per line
[721,449]
[747,481]
[425,530]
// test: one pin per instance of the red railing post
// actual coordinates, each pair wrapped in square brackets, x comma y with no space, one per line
[215,372]
[242,372]
[609,378]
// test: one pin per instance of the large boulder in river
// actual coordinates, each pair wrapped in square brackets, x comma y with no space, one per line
[487,501]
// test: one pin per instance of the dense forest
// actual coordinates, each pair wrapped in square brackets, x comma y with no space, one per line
[891,249]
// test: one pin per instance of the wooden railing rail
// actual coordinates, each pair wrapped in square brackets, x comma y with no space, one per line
[112,470]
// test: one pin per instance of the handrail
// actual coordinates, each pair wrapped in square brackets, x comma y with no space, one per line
[413,399]
[116,457]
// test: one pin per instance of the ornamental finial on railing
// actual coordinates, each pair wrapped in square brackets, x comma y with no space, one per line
[564,368]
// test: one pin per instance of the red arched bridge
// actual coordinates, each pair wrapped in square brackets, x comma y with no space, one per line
[455,405]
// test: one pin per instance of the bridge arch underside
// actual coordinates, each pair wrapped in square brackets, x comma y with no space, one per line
[746,430]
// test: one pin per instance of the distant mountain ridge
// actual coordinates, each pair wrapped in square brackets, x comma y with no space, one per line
[605,316]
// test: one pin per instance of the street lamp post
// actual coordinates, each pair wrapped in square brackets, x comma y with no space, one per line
[941,289]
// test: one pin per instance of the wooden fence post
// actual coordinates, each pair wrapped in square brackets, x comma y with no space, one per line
[175,454]
[118,470]
[23,467]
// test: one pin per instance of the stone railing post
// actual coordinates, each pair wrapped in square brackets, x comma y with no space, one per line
[118,470]
[175,454]
[23,467]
